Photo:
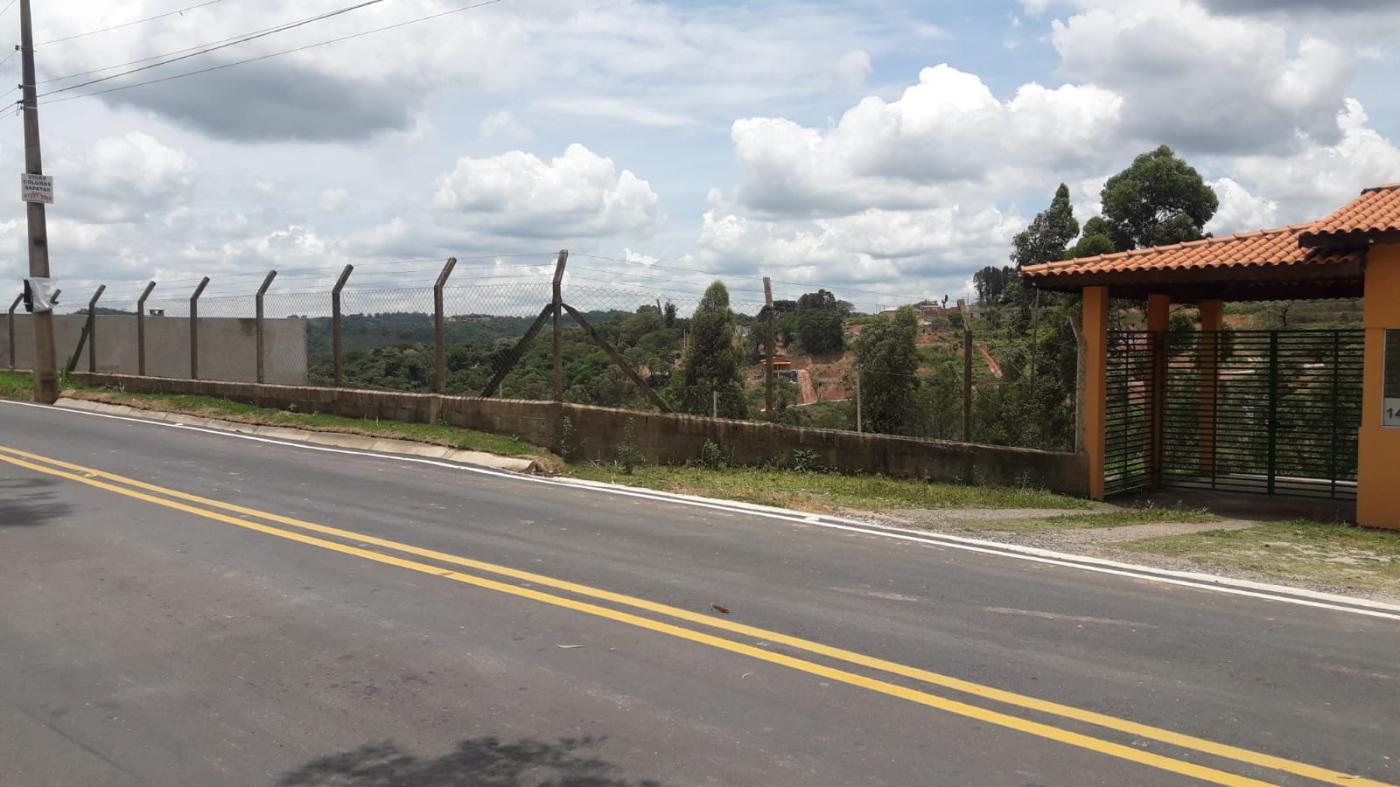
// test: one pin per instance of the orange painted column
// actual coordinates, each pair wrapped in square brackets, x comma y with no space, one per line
[1159,311]
[1212,321]
[1094,394]
[1378,494]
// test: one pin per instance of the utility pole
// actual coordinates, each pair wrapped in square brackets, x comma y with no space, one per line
[45,365]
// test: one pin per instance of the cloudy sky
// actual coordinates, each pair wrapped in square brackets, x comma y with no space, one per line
[871,146]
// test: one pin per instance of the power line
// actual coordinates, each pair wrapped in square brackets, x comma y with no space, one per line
[271,55]
[163,55]
[8,7]
[132,23]
[225,45]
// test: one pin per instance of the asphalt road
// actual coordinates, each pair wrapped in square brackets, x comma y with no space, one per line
[178,607]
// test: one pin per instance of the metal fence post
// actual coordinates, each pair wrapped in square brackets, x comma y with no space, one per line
[92,328]
[1273,412]
[194,327]
[10,319]
[258,322]
[141,329]
[559,325]
[440,329]
[337,356]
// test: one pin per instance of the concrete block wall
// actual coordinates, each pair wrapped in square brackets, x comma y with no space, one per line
[662,438]
[228,346]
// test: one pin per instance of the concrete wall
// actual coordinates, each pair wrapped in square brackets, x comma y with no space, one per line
[663,438]
[228,346]
[1377,494]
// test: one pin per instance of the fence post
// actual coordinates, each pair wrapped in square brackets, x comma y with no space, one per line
[860,422]
[559,325]
[10,319]
[336,354]
[1273,412]
[258,323]
[440,329]
[967,371]
[92,328]
[194,328]
[768,381]
[141,329]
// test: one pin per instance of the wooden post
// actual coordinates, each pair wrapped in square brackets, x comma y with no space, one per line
[860,423]
[618,359]
[559,325]
[92,328]
[141,329]
[1094,395]
[258,322]
[768,381]
[194,328]
[338,357]
[440,328]
[10,319]
[967,371]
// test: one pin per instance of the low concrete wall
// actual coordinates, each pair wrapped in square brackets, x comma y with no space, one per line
[663,438]
[228,346]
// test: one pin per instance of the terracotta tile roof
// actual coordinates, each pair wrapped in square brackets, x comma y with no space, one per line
[1273,248]
[1375,215]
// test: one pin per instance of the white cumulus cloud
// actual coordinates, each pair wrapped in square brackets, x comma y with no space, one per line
[517,194]
[948,129]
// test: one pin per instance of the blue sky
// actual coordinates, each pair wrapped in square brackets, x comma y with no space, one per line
[880,147]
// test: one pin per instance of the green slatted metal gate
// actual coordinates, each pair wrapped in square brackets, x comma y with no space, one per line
[1271,412]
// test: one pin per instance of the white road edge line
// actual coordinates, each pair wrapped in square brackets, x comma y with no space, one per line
[1199,581]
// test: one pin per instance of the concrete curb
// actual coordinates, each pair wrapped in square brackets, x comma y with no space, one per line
[356,442]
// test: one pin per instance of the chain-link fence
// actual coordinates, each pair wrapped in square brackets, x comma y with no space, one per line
[612,333]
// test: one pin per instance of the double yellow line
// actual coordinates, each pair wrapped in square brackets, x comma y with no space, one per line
[215,510]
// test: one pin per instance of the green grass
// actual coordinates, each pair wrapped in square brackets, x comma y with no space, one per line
[16,386]
[436,434]
[1099,518]
[822,492]
[1125,517]
[1337,555]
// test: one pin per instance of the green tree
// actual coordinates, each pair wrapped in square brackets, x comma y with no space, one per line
[712,363]
[888,366]
[990,283]
[1049,233]
[820,331]
[1159,199]
[1096,239]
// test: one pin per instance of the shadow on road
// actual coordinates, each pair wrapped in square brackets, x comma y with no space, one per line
[481,762]
[23,505]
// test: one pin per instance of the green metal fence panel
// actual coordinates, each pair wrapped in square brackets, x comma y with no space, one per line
[1270,412]
[1128,415]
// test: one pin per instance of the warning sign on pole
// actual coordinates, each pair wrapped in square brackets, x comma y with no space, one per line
[36,188]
